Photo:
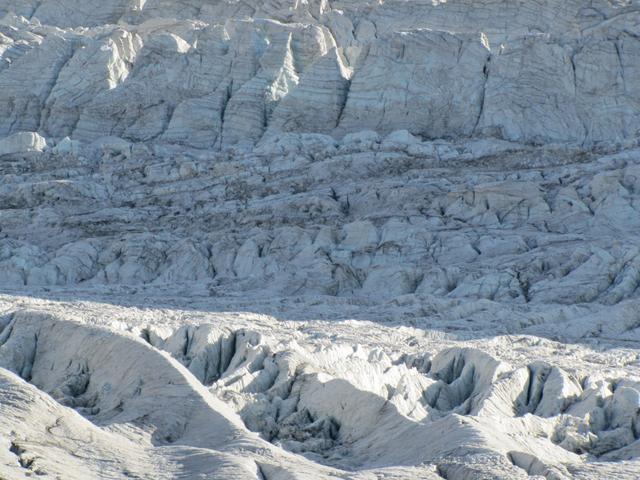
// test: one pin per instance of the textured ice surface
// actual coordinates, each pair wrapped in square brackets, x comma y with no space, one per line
[287,239]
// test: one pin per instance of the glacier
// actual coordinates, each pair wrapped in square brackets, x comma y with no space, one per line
[317,239]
